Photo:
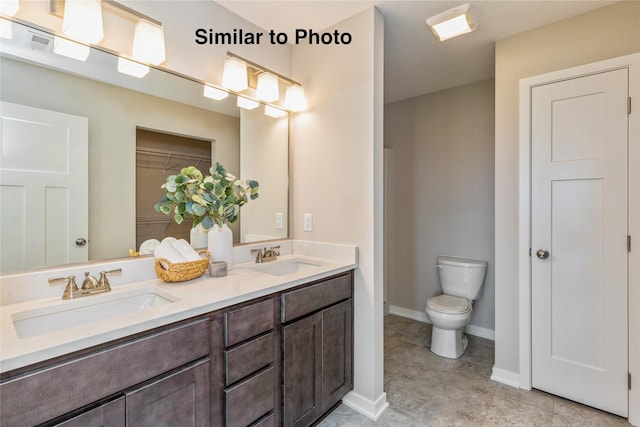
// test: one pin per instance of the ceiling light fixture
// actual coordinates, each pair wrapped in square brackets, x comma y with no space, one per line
[267,89]
[83,20]
[452,23]
[234,74]
[148,42]
[215,93]
[70,49]
[132,68]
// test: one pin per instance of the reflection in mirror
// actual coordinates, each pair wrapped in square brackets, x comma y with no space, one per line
[117,109]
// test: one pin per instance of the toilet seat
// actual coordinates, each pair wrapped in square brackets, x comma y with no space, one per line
[449,304]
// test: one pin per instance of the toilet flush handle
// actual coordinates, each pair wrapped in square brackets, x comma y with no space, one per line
[542,254]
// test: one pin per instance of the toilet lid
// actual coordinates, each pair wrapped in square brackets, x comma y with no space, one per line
[449,304]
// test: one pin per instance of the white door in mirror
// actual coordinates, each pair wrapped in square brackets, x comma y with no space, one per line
[44,191]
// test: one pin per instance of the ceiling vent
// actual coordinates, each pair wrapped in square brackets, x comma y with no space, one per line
[39,41]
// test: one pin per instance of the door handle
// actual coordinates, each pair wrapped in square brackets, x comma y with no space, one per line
[542,254]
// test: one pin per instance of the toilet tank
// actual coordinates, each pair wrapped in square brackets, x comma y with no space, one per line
[462,277]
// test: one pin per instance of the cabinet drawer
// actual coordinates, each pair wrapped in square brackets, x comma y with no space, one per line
[301,302]
[248,358]
[247,322]
[53,391]
[251,399]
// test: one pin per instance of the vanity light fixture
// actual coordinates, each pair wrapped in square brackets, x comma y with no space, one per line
[215,93]
[247,104]
[132,68]
[267,89]
[9,7]
[274,112]
[83,20]
[234,74]
[294,99]
[452,23]
[265,82]
[70,49]
[148,42]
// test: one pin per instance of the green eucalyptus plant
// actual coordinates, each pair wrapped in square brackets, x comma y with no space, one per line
[208,199]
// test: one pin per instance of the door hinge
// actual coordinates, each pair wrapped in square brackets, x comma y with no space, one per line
[628,243]
[529,251]
[629,380]
[629,105]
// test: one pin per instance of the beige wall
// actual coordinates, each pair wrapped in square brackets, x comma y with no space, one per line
[337,175]
[114,113]
[264,144]
[604,33]
[440,196]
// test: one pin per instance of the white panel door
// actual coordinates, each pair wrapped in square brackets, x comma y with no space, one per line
[43,187]
[579,134]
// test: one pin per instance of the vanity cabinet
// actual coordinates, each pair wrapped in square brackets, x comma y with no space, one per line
[177,399]
[251,364]
[282,359]
[317,339]
[126,370]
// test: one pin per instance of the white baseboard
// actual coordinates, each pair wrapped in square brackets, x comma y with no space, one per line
[505,377]
[370,409]
[421,316]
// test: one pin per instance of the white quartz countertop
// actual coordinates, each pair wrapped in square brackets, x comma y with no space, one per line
[192,298]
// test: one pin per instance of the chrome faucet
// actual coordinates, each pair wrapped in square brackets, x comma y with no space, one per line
[90,285]
[266,255]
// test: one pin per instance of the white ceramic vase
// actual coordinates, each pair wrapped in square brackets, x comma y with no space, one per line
[198,237]
[221,244]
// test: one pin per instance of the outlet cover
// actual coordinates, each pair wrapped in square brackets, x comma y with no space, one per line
[279,221]
[308,222]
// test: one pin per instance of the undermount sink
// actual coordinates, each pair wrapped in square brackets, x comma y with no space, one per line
[68,314]
[284,267]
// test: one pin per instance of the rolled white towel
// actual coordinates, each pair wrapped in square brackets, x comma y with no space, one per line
[166,250]
[186,250]
[148,247]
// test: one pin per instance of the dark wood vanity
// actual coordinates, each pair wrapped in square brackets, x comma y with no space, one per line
[283,359]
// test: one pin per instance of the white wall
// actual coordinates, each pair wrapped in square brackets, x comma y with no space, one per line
[337,177]
[440,193]
[604,33]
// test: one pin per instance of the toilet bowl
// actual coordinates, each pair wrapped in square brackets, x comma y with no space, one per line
[462,281]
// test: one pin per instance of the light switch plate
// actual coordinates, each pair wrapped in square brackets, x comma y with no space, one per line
[308,222]
[279,221]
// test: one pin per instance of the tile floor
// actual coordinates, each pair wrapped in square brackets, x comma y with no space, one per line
[426,390]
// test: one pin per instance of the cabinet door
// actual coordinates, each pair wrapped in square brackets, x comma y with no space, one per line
[180,399]
[337,350]
[110,414]
[302,371]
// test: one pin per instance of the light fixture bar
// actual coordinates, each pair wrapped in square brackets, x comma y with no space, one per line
[261,68]
[56,8]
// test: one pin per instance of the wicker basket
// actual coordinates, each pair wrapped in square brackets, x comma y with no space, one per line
[182,271]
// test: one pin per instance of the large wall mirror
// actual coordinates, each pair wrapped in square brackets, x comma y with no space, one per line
[137,130]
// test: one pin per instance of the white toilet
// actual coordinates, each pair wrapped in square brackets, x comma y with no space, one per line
[462,280]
